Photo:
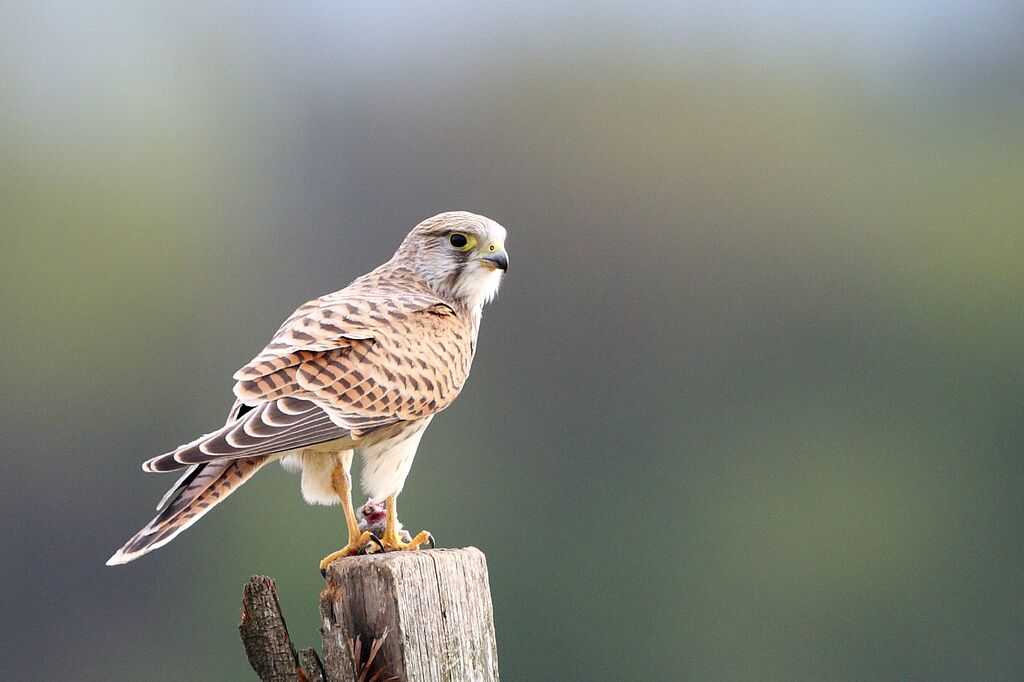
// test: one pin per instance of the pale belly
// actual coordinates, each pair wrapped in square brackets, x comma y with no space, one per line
[387,460]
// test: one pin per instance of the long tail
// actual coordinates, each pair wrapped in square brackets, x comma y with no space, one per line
[195,493]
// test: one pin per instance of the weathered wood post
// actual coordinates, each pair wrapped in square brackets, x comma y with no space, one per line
[422,616]
[265,635]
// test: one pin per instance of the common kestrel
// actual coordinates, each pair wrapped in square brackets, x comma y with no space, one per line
[362,370]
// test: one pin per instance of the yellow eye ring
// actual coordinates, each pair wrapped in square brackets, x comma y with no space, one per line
[461,241]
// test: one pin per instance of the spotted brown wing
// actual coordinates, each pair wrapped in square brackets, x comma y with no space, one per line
[367,361]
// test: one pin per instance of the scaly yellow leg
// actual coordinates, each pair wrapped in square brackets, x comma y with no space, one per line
[341,481]
[391,542]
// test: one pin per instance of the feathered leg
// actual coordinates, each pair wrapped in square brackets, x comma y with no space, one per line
[341,481]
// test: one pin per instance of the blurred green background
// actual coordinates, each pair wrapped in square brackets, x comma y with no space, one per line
[748,407]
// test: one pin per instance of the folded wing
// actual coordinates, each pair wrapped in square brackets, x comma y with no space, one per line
[340,367]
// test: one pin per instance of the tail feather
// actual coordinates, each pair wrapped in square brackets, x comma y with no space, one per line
[195,493]
[183,482]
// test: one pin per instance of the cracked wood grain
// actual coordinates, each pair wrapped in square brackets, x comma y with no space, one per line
[427,615]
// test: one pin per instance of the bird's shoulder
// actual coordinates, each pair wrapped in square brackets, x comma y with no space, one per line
[398,308]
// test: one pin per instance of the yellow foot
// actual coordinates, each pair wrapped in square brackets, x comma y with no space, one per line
[396,544]
[351,549]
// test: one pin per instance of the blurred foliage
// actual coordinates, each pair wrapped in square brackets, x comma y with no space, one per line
[749,406]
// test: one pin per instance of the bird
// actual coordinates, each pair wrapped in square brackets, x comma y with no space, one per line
[358,372]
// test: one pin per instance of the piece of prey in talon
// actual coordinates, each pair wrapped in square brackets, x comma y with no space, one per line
[373,517]
[360,371]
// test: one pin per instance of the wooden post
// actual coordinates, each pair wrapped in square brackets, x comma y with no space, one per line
[422,616]
[264,634]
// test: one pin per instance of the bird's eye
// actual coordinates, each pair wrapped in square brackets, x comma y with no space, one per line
[459,241]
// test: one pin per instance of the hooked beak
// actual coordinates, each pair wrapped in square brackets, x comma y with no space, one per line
[498,259]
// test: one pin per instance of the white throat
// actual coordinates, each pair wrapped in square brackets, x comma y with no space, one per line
[477,286]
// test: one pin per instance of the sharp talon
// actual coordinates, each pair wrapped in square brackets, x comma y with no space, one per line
[323,572]
[353,548]
[371,546]
[430,541]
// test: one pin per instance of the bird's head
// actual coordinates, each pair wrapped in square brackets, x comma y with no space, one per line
[460,255]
